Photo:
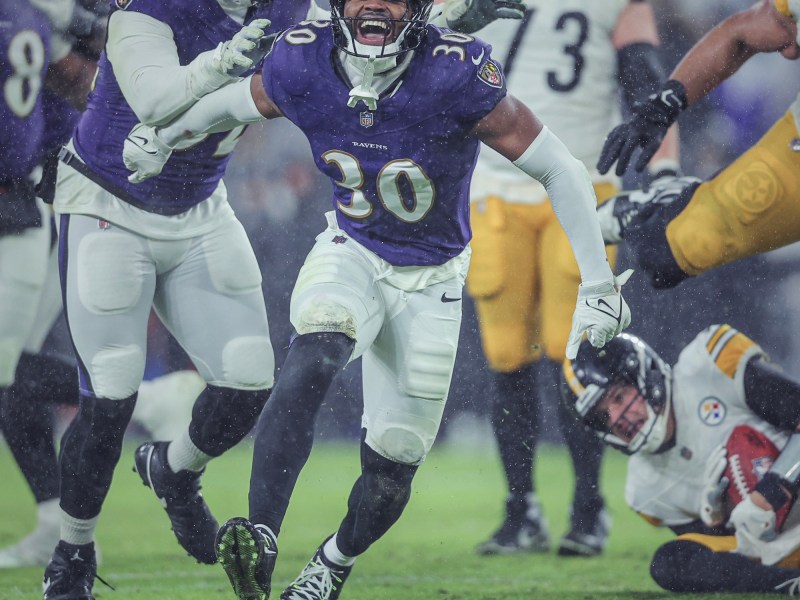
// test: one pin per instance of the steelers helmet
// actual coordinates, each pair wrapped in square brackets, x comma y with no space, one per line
[626,359]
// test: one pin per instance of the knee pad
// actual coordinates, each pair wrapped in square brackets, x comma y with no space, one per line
[323,314]
[249,363]
[116,373]
[110,280]
[10,350]
[399,444]
[507,349]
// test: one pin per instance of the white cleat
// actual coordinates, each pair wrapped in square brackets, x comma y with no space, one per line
[164,404]
[34,550]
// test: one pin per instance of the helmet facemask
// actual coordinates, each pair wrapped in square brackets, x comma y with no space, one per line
[626,361]
[389,37]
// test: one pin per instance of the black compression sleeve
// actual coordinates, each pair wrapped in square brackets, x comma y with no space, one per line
[772,394]
[640,72]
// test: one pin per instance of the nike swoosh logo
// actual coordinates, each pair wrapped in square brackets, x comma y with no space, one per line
[142,143]
[445,298]
[610,312]
[476,60]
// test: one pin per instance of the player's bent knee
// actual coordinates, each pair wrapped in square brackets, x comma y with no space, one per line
[671,567]
[324,314]
[117,372]
[248,363]
[400,445]
[110,280]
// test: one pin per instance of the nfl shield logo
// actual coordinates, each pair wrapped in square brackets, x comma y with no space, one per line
[365,118]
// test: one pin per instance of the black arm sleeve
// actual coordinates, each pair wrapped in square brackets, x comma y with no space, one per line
[640,72]
[772,394]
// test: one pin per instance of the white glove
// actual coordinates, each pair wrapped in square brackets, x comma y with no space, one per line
[601,312]
[243,50]
[715,485]
[753,526]
[144,153]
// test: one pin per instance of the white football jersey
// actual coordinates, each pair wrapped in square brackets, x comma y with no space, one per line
[561,63]
[708,398]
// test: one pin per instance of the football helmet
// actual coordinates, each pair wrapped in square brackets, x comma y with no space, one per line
[410,37]
[626,359]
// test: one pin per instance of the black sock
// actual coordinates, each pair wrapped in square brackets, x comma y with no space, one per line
[376,501]
[285,430]
[515,420]
[685,566]
[90,450]
[26,418]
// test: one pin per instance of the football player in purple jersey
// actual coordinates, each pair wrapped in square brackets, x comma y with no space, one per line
[173,245]
[394,110]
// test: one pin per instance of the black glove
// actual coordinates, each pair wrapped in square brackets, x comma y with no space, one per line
[509,9]
[646,130]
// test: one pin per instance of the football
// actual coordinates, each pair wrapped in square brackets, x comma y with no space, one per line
[750,456]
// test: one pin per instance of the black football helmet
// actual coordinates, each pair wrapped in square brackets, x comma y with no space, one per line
[626,359]
[410,37]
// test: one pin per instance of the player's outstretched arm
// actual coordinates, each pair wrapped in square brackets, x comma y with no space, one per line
[147,67]
[514,131]
[147,149]
[761,28]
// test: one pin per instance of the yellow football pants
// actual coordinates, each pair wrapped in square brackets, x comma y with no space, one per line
[750,207]
[727,543]
[524,279]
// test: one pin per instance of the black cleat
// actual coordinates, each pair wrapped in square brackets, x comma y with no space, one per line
[320,579]
[587,536]
[248,554]
[523,530]
[70,573]
[179,494]
[618,213]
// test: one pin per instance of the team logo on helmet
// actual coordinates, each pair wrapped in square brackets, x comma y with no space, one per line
[712,411]
[491,74]
[123,4]
[366,118]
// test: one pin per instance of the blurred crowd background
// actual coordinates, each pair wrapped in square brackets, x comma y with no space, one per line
[280,198]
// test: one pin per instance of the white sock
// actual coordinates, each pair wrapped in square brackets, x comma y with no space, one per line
[183,454]
[48,515]
[77,531]
[333,554]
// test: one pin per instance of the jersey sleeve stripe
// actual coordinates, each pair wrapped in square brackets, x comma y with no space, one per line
[730,353]
[715,337]
[783,7]
[717,543]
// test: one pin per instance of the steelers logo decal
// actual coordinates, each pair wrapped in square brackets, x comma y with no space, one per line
[712,411]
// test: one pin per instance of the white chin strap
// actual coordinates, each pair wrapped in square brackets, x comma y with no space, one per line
[654,432]
[370,64]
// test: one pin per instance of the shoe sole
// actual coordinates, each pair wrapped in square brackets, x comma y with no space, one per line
[239,553]
[570,548]
[498,550]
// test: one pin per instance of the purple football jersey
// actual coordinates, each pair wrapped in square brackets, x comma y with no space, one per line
[24,56]
[402,172]
[193,173]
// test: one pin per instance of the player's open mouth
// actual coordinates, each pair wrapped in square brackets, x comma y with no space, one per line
[374,32]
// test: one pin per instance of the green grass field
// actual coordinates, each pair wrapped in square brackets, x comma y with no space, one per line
[456,503]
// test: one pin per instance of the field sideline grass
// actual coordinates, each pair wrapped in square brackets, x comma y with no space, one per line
[428,555]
